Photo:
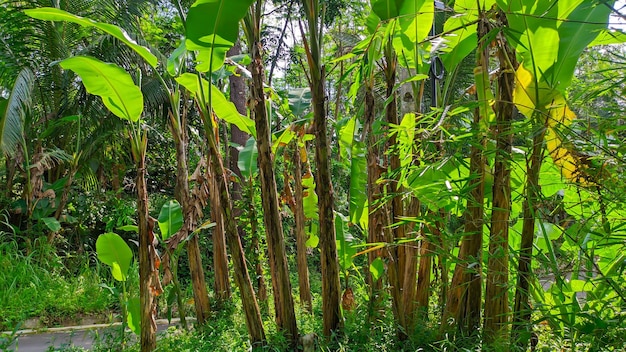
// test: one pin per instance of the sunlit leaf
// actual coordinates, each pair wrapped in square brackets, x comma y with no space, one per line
[129,228]
[54,14]
[114,252]
[134,315]
[223,108]
[608,37]
[550,38]
[284,138]
[212,29]
[111,83]
[312,241]
[377,268]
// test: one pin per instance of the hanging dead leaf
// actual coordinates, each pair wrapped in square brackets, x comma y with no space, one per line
[303,155]
[347,299]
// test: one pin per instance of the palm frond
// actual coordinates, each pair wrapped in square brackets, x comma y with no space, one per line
[14,109]
[50,158]
[87,179]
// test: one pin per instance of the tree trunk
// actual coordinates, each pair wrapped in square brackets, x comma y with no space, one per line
[220,257]
[496,293]
[248,298]
[303,269]
[331,288]
[283,300]
[416,288]
[328,240]
[200,294]
[146,263]
[375,218]
[178,125]
[522,310]
[257,251]
[237,136]
[397,263]
[465,295]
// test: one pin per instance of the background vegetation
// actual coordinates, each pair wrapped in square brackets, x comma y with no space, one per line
[373,176]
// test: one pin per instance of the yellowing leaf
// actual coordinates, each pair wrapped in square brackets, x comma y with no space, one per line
[526,93]
[563,154]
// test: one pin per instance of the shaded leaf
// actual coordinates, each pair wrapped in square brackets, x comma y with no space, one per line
[248,159]
[52,224]
[12,112]
[170,219]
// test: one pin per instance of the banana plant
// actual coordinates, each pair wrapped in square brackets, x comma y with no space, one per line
[124,99]
[212,27]
[113,251]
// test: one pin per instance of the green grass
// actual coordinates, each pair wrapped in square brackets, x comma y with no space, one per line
[39,285]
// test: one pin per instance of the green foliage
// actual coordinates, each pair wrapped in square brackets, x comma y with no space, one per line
[212,29]
[110,82]
[345,242]
[54,14]
[223,108]
[113,251]
[12,111]
[550,38]
[45,289]
[247,162]
[170,219]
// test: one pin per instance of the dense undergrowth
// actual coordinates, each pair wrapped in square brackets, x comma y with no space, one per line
[39,284]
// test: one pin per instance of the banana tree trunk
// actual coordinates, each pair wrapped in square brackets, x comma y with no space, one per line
[331,288]
[238,137]
[303,269]
[283,300]
[146,263]
[200,294]
[220,257]
[496,293]
[465,294]
[375,216]
[256,250]
[521,334]
[398,261]
[242,278]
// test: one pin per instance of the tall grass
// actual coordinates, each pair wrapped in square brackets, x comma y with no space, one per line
[39,285]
